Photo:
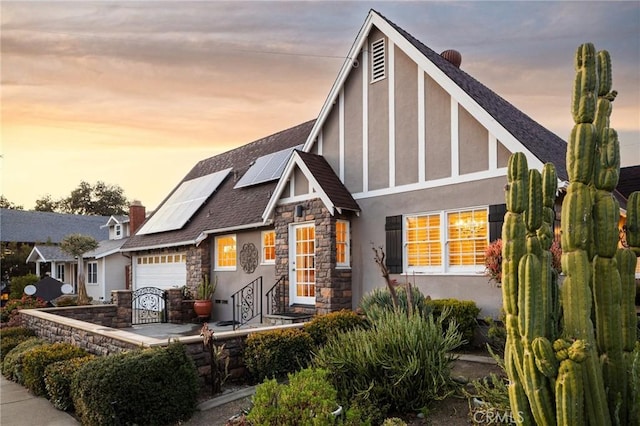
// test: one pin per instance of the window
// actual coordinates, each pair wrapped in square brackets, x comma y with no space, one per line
[60,272]
[448,241]
[117,229]
[377,60]
[226,253]
[467,237]
[92,273]
[269,247]
[423,242]
[342,243]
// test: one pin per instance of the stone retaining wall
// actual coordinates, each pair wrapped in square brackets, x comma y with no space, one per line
[102,340]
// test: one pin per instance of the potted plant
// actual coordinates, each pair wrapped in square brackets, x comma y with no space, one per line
[203,303]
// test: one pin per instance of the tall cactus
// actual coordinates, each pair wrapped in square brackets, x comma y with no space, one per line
[583,376]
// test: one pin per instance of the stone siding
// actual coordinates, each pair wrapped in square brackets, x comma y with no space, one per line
[198,264]
[333,285]
[101,340]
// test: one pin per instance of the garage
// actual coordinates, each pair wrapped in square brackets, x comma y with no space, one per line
[167,270]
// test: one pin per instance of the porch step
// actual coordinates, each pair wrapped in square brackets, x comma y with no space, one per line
[288,318]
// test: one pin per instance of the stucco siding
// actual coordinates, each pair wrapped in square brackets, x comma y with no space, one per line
[438,131]
[378,113]
[353,130]
[503,155]
[473,143]
[368,229]
[406,119]
[331,138]
[301,182]
[230,282]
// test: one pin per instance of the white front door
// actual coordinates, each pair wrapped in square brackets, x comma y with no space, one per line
[302,264]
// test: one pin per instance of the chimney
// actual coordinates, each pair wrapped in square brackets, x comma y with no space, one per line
[137,215]
[452,56]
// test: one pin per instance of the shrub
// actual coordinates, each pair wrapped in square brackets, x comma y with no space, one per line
[402,362]
[321,327]
[308,399]
[275,353]
[37,359]
[9,313]
[57,380]
[19,283]
[12,364]
[463,312]
[149,387]
[10,337]
[379,299]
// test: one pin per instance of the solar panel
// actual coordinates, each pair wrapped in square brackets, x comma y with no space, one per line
[183,203]
[266,168]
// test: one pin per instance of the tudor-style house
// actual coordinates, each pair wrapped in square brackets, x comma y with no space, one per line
[408,153]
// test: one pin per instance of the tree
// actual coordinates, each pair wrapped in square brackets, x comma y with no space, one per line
[47,204]
[6,204]
[100,199]
[77,245]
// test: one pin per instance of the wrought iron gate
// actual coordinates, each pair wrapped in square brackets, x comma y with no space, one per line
[148,305]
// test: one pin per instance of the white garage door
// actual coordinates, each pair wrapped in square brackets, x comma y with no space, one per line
[160,270]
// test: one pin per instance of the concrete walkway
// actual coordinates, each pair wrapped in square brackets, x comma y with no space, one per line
[18,407]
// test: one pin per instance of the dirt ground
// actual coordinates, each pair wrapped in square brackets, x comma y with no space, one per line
[452,411]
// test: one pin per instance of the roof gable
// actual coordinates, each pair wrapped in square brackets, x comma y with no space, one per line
[327,186]
[514,129]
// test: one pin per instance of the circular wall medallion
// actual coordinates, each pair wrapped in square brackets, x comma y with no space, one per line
[249,258]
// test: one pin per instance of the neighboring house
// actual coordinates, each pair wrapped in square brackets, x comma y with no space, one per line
[408,153]
[105,268]
[31,227]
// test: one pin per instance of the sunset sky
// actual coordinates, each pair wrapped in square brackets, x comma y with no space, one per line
[134,93]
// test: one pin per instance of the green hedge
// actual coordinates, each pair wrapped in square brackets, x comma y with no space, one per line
[37,359]
[275,353]
[156,386]
[463,312]
[10,337]
[57,380]
[13,361]
[322,327]
[18,284]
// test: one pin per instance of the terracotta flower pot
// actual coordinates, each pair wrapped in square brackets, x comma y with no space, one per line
[202,308]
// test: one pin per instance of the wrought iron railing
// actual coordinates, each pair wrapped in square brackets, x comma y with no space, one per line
[276,301]
[247,303]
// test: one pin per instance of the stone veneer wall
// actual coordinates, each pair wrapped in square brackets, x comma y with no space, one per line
[333,286]
[198,264]
[101,340]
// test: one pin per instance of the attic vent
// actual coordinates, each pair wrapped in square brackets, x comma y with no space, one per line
[377,60]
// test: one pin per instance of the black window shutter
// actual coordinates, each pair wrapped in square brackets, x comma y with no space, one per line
[393,231]
[496,219]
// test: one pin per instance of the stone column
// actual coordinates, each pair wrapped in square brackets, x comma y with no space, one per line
[123,300]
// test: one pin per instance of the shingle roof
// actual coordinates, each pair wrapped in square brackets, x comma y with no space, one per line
[106,248]
[328,181]
[629,180]
[228,207]
[542,143]
[49,254]
[33,227]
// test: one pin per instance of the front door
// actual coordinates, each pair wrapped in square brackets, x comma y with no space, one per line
[302,264]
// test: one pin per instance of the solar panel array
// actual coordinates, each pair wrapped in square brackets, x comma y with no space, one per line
[183,203]
[266,168]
